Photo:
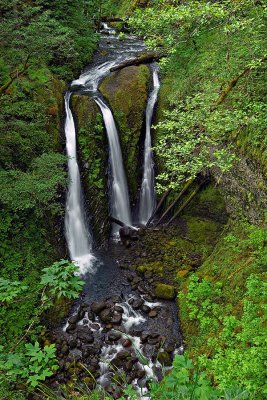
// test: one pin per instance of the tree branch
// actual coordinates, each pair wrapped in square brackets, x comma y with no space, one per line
[232,84]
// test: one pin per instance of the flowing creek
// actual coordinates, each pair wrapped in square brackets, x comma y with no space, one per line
[118,327]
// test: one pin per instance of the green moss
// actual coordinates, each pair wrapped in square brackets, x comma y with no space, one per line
[126,92]
[163,291]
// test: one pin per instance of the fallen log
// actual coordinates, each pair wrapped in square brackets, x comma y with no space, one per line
[186,186]
[117,221]
[146,58]
[163,198]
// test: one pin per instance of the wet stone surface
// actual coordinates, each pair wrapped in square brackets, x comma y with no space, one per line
[117,328]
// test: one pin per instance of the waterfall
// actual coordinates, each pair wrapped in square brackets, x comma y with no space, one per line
[120,204]
[147,194]
[112,52]
[78,237]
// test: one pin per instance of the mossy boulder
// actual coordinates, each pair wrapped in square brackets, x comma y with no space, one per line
[126,91]
[164,291]
[92,146]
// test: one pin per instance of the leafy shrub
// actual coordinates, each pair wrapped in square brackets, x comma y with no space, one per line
[10,290]
[33,364]
[62,279]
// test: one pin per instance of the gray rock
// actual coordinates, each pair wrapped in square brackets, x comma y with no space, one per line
[97,307]
[73,343]
[137,304]
[123,354]
[106,315]
[73,319]
[71,328]
[146,309]
[116,319]
[118,309]
[85,335]
[114,336]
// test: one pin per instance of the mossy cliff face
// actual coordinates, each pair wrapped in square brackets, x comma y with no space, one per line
[171,254]
[244,189]
[126,91]
[91,147]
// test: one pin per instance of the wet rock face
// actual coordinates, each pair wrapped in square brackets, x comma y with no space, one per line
[126,92]
[122,334]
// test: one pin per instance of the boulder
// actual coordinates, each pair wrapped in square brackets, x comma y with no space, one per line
[114,336]
[85,335]
[116,319]
[106,315]
[164,291]
[137,303]
[146,309]
[97,307]
[73,319]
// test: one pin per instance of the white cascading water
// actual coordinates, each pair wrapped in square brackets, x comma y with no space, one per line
[120,203]
[78,237]
[147,193]
[115,52]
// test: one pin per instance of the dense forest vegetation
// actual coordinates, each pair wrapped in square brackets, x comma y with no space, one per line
[211,123]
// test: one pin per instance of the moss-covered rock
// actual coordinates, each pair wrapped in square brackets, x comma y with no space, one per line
[126,92]
[166,292]
[91,149]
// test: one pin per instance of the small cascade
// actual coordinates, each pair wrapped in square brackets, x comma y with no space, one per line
[147,193]
[116,51]
[120,204]
[78,237]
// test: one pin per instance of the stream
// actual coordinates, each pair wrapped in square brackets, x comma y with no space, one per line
[118,331]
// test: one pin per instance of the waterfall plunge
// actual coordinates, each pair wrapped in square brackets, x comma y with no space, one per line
[78,237]
[120,204]
[147,194]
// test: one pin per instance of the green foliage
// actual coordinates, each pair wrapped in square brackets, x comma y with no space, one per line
[183,382]
[33,364]
[37,188]
[29,362]
[208,45]
[238,343]
[60,34]
[191,139]
[62,279]
[9,290]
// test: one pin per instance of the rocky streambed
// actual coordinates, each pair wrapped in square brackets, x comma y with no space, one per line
[119,330]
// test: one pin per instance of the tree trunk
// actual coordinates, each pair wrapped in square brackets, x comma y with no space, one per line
[186,186]
[163,198]
[232,84]
[192,195]
[143,59]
